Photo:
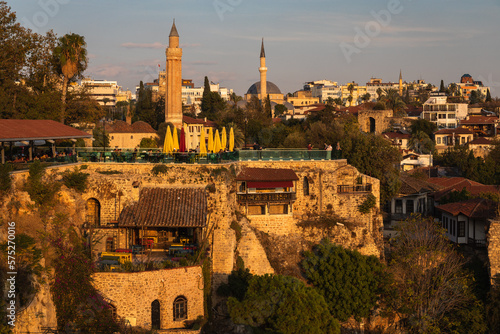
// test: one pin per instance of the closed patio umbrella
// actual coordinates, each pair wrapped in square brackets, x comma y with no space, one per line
[210,147]
[165,142]
[231,140]
[217,145]
[182,141]
[223,139]
[175,140]
[187,142]
[203,146]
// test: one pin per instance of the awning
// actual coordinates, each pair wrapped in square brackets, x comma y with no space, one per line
[270,184]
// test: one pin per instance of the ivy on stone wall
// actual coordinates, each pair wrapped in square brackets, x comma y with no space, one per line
[368,204]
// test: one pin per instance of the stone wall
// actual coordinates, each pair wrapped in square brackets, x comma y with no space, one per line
[493,237]
[381,119]
[133,293]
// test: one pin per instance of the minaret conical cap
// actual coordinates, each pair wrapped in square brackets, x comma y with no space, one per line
[173,31]
[262,52]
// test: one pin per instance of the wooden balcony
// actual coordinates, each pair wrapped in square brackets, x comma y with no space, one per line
[267,197]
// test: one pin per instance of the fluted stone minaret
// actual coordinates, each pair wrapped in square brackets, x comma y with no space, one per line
[173,85]
[263,73]
[400,84]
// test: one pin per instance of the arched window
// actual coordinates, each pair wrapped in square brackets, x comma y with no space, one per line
[155,315]
[93,212]
[180,308]
[306,186]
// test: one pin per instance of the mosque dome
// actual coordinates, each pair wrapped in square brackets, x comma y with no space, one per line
[271,88]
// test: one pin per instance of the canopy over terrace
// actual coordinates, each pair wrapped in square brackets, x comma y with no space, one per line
[166,214]
[28,130]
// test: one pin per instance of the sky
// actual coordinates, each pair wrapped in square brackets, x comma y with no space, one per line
[306,40]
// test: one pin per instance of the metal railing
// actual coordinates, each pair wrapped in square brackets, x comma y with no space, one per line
[354,189]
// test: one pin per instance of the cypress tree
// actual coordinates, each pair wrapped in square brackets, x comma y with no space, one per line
[441,88]
[488,96]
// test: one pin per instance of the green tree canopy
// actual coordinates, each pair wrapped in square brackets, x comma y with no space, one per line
[351,283]
[430,282]
[282,304]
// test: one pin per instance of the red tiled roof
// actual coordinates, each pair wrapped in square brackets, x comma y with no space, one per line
[29,129]
[474,188]
[472,208]
[481,141]
[124,127]
[480,120]
[266,174]
[450,181]
[167,207]
[460,131]
[191,120]
[411,185]
[413,111]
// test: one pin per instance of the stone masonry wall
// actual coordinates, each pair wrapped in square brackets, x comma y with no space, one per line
[493,238]
[133,293]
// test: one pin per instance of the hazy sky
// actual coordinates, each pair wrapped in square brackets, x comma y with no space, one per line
[305,40]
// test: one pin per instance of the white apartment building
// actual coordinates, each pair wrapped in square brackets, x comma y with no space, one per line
[194,95]
[442,113]
[102,89]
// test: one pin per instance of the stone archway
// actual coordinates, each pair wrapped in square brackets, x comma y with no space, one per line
[371,124]
[93,212]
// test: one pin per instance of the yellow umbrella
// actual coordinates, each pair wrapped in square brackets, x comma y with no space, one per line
[203,147]
[175,141]
[231,140]
[223,139]
[166,148]
[210,140]
[217,145]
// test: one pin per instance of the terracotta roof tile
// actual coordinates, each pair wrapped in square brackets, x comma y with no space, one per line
[167,207]
[411,185]
[30,129]
[472,208]
[396,135]
[481,141]
[461,131]
[124,127]
[480,120]
[191,120]
[266,174]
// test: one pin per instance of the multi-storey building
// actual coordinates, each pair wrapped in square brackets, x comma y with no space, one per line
[104,91]
[445,115]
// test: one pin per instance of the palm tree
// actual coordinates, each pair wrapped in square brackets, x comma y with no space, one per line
[453,88]
[366,97]
[70,60]
[421,143]
[393,100]
[349,98]
[379,93]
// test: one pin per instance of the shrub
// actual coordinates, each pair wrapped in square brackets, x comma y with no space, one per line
[75,180]
[368,204]
[148,143]
[5,179]
[160,169]
[41,192]
[237,228]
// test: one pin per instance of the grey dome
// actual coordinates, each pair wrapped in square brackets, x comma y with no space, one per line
[288,106]
[271,88]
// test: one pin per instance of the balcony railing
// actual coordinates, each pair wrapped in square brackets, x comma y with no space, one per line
[267,197]
[476,242]
[354,189]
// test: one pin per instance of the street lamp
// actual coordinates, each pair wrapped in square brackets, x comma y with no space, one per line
[104,138]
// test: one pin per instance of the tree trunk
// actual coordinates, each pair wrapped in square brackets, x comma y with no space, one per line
[63,100]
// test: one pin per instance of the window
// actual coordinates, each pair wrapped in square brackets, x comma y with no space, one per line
[462,140]
[438,140]
[399,206]
[256,210]
[409,206]
[306,186]
[461,229]
[131,137]
[180,308]
[278,209]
